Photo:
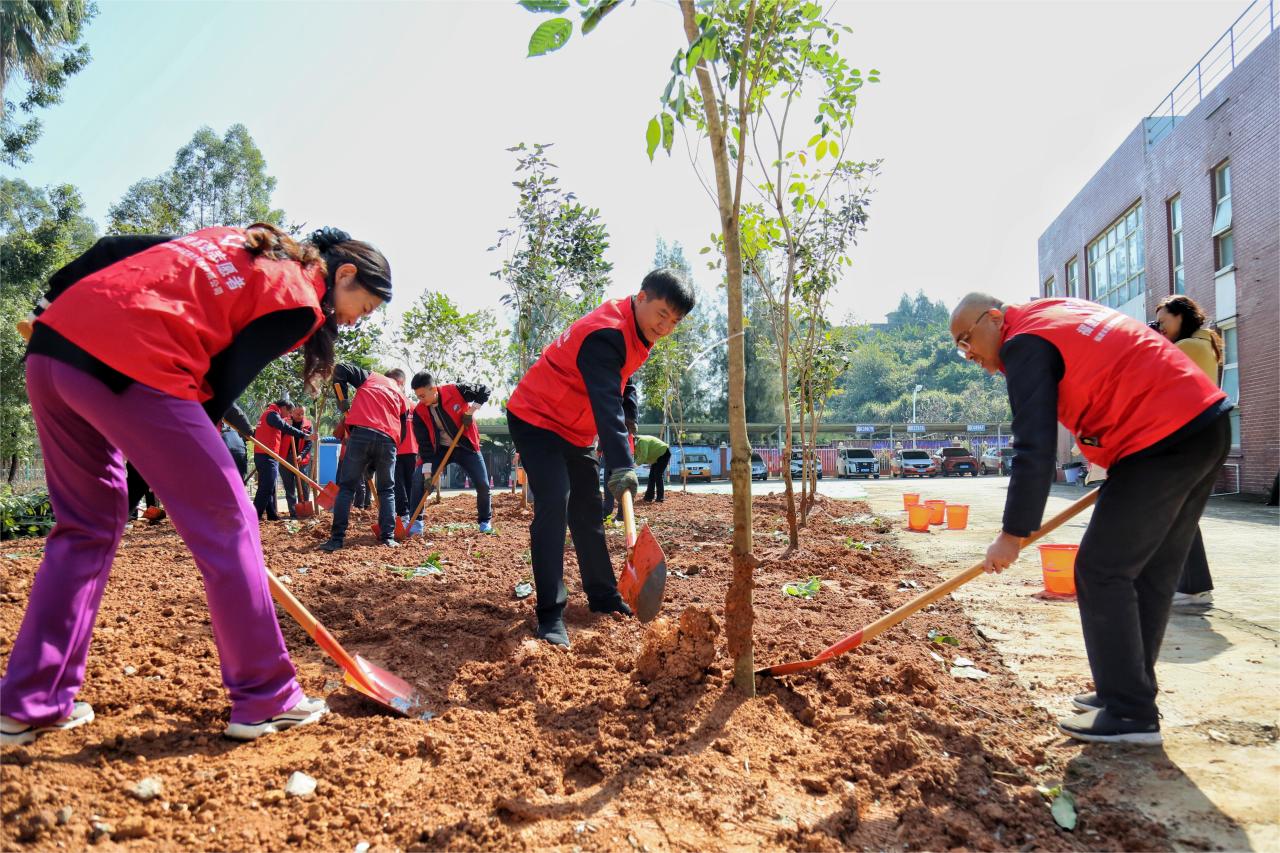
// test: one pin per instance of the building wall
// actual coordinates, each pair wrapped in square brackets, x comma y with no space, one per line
[1239,120]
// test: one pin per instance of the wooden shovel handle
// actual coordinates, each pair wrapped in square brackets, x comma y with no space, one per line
[311,625]
[628,518]
[276,456]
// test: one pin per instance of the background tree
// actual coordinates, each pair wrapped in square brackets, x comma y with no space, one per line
[434,335]
[41,230]
[213,181]
[555,267]
[41,48]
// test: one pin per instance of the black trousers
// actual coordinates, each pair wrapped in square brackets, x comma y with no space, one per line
[472,462]
[1195,574]
[406,472]
[1131,556]
[365,447]
[565,480]
[294,490]
[657,477]
[138,489]
[264,500]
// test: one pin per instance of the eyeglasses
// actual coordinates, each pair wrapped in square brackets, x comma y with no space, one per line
[962,342]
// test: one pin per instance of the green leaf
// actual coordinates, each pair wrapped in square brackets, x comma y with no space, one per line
[833,148]
[815,139]
[695,53]
[553,6]
[940,638]
[668,132]
[652,136]
[1064,810]
[593,18]
[550,35]
[807,589]
[704,250]
[822,149]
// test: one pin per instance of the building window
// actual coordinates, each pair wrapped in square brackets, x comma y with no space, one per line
[1117,260]
[1073,278]
[1051,288]
[1224,244]
[1175,243]
[1231,377]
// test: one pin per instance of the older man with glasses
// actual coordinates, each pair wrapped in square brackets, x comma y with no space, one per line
[1140,408]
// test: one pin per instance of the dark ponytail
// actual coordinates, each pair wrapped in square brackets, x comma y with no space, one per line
[1193,320]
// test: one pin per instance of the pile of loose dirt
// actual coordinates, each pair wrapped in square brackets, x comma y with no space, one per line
[682,650]
[540,747]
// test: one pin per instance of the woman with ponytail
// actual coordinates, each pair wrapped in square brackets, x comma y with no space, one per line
[139,348]
[1182,321]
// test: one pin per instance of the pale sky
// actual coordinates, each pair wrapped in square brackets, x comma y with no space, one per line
[390,120]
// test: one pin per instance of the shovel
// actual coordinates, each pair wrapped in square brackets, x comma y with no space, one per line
[644,577]
[302,509]
[366,677]
[435,478]
[400,532]
[921,601]
[321,494]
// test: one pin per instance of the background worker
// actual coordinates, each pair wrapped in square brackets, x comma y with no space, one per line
[1182,321]
[570,396]
[273,433]
[407,472]
[1142,410]
[205,313]
[441,411]
[298,453]
[654,452]
[376,420]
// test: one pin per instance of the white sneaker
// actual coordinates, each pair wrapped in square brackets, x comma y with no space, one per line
[306,711]
[17,733]
[1192,600]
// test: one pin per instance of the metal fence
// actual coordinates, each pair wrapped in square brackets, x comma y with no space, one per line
[1255,23]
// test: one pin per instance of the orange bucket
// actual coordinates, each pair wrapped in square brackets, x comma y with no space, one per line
[918,518]
[1058,562]
[909,500]
[937,511]
[957,516]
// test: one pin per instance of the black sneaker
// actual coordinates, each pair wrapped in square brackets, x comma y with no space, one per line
[1087,702]
[332,545]
[554,632]
[616,605]
[1102,727]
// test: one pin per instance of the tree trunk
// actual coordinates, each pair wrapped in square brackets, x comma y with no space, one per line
[13,468]
[739,614]
[784,353]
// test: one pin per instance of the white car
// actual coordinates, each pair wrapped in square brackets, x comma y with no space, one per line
[695,466]
[759,469]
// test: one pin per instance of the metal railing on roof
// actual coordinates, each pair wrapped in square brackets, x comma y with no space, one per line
[1254,25]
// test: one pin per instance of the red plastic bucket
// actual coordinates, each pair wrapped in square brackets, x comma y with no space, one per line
[937,511]
[1058,563]
[957,516]
[909,500]
[918,518]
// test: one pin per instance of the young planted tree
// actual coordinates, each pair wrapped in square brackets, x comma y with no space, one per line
[434,335]
[555,268]
[737,52]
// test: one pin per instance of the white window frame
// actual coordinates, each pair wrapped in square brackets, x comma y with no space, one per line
[1073,277]
[1222,232]
[1051,288]
[1231,327]
[1111,248]
[1177,256]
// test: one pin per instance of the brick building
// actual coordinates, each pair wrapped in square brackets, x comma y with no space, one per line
[1190,203]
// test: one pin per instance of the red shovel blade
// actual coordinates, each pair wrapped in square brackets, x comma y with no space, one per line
[304,509]
[401,532]
[644,578]
[328,496]
[388,689]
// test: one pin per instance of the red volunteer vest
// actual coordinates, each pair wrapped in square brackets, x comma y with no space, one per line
[409,444]
[378,404]
[1124,387]
[552,394]
[452,404]
[160,315]
[268,436]
[294,444]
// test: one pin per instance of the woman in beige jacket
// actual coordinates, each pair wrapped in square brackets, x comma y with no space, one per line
[1182,321]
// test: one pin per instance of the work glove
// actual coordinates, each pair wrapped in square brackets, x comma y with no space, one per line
[468,415]
[426,469]
[623,480]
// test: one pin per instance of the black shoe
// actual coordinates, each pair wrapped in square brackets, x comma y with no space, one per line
[554,632]
[390,542]
[1087,702]
[273,518]
[616,605]
[332,545]
[1102,727]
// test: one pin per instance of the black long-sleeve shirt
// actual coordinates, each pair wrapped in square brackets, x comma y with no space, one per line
[445,427]
[286,427]
[230,371]
[349,377]
[600,360]
[1033,367]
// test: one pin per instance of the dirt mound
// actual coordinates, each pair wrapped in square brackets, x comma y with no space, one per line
[538,747]
[679,651]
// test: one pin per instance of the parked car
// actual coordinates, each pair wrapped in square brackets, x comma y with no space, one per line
[955,461]
[797,463]
[998,460]
[858,462]
[695,466]
[759,470]
[912,463]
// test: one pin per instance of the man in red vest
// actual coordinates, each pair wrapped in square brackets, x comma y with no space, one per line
[1139,407]
[376,421]
[297,451]
[274,433]
[407,472]
[442,410]
[572,395]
